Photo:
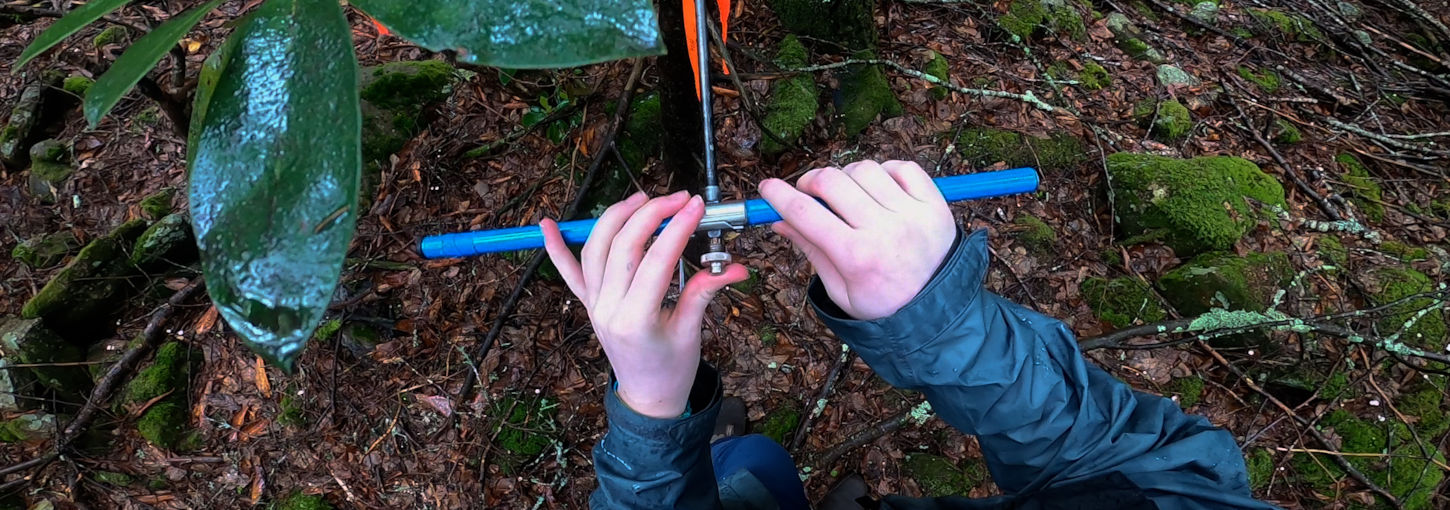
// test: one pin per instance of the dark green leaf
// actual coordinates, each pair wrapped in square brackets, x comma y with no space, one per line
[525,35]
[274,182]
[557,131]
[206,81]
[138,60]
[66,26]
[532,117]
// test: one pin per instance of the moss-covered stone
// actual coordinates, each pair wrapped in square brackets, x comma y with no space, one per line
[28,428]
[1389,284]
[1167,121]
[78,85]
[1429,406]
[157,205]
[938,476]
[22,130]
[82,297]
[1194,205]
[1409,476]
[113,478]
[1261,468]
[49,168]
[937,68]
[1267,81]
[983,147]
[168,242]
[163,424]
[28,341]
[1028,18]
[1121,302]
[847,23]
[170,372]
[1293,27]
[1094,76]
[1364,190]
[781,423]
[1129,39]
[1332,251]
[299,501]
[793,101]
[864,95]
[1404,252]
[45,250]
[113,34]
[1286,132]
[408,84]
[1188,389]
[1227,281]
[1034,234]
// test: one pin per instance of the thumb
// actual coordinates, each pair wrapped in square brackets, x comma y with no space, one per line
[699,291]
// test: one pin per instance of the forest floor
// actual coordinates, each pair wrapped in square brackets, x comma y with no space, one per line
[373,424]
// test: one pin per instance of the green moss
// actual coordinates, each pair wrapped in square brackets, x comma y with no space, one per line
[1140,50]
[409,84]
[983,147]
[793,102]
[768,335]
[157,205]
[113,478]
[77,85]
[1121,302]
[1228,281]
[291,413]
[1166,121]
[749,284]
[1286,132]
[1261,468]
[1267,81]
[1405,473]
[1196,205]
[28,428]
[1404,252]
[113,34]
[299,501]
[1035,234]
[1336,386]
[1026,18]
[166,243]
[1427,404]
[327,329]
[86,293]
[938,68]
[148,118]
[1293,27]
[1387,285]
[169,372]
[1188,389]
[865,95]
[1094,76]
[781,423]
[938,476]
[45,250]
[847,23]
[1364,190]
[1332,251]
[162,425]
[524,428]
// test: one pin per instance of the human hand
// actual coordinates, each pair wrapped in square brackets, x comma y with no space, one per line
[654,351]
[890,231]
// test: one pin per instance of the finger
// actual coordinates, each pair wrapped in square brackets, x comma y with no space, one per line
[652,280]
[596,249]
[914,180]
[807,216]
[877,183]
[628,247]
[699,291]
[563,258]
[843,194]
[827,270]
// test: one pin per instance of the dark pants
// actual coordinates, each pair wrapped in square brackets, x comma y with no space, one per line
[765,459]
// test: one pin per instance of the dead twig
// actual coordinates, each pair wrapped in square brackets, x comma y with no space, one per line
[814,408]
[1329,210]
[867,435]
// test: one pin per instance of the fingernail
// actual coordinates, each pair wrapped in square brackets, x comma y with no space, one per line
[679,193]
[637,197]
[695,202]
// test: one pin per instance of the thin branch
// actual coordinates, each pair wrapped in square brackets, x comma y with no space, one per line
[863,437]
[815,407]
[1319,200]
[1383,138]
[1026,97]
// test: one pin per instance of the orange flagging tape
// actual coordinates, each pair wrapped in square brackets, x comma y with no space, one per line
[690,37]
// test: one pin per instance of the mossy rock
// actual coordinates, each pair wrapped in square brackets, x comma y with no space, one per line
[1166,121]
[1332,251]
[26,428]
[1429,405]
[939,477]
[1129,39]
[1205,12]
[77,85]
[1364,190]
[1286,133]
[170,372]
[1293,27]
[168,242]
[299,501]
[1188,389]
[1026,19]
[29,341]
[1193,205]
[524,429]
[1094,77]
[157,205]
[781,423]
[938,68]
[113,34]
[793,101]
[864,95]
[407,84]
[49,169]
[1122,302]
[1267,81]
[45,250]
[83,297]
[849,24]
[1034,234]
[983,147]
[22,130]
[163,424]
[1389,284]
[1227,281]
[1261,468]
[1404,252]
[1410,477]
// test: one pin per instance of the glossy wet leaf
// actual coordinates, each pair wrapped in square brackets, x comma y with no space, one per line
[525,35]
[206,80]
[138,60]
[274,179]
[66,26]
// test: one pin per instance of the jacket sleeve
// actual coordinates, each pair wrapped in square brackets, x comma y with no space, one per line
[648,463]
[1015,379]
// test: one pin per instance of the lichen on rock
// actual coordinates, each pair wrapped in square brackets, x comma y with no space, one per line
[1193,205]
[1227,281]
[168,242]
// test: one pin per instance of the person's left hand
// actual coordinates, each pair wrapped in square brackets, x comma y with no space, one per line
[654,351]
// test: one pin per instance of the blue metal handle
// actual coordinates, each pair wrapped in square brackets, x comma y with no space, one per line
[757,212]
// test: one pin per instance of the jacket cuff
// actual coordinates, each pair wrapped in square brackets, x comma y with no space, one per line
[704,405]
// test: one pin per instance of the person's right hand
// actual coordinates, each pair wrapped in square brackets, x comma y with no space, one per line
[889,233]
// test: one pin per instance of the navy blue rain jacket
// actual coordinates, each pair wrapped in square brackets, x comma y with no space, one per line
[1056,432]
